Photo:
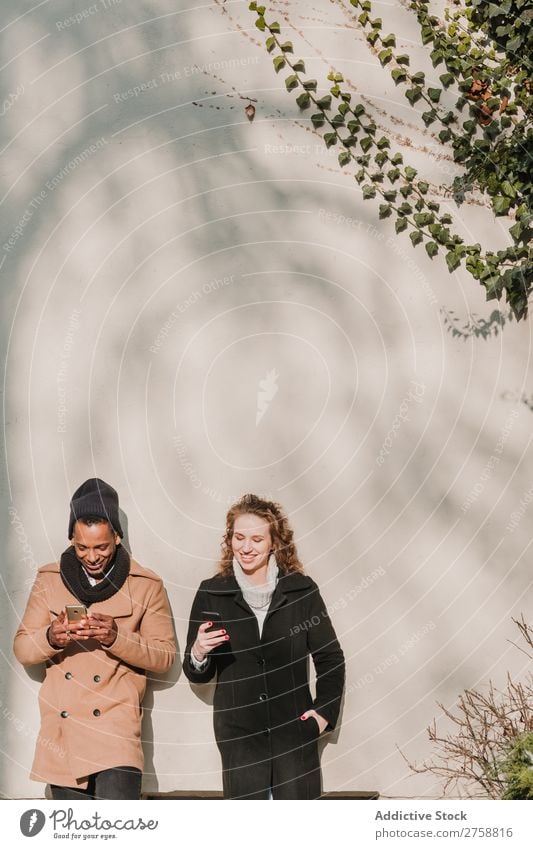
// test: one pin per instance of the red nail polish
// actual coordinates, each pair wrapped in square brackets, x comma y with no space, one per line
[226,637]
[303,717]
[209,624]
[223,631]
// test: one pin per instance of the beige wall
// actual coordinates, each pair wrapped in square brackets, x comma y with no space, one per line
[189,265]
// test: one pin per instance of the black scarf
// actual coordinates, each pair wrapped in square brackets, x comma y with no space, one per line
[76,581]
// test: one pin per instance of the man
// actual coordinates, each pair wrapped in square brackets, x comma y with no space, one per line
[89,745]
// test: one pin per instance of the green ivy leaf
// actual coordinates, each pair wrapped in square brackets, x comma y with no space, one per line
[416,237]
[270,43]
[291,82]
[403,59]
[390,195]
[299,66]
[358,110]
[445,135]
[260,24]
[400,224]
[410,173]
[423,187]
[389,40]
[431,248]
[376,23]
[303,100]
[413,94]
[369,192]
[385,210]
[385,56]
[318,119]
[405,208]
[447,80]
[279,63]
[399,75]
[324,102]
[453,260]
[274,27]
[330,139]
[397,159]
[372,37]
[501,204]
[429,117]
[344,158]
[418,78]
[434,94]
[287,47]
[393,174]
[360,176]
[366,143]
[310,85]
[508,189]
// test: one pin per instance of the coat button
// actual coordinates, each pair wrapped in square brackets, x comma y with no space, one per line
[262,697]
[266,731]
[261,661]
[96,712]
[64,714]
[68,675]
[97,679]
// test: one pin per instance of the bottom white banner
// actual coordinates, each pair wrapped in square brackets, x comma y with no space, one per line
[348,823]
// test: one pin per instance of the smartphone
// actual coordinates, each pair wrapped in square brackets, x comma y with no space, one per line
[75,612]
[214,617]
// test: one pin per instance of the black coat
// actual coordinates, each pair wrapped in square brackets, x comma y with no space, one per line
[263,686]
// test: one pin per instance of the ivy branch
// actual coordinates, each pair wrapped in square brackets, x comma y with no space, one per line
[510,270]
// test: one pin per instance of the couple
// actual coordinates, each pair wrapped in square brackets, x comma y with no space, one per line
[245,628]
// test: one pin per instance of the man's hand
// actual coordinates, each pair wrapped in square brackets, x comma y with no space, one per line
[99,627]
[57,633]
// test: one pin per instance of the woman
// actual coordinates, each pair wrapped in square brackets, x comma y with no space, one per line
[271,618]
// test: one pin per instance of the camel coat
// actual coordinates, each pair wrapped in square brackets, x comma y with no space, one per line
[90,700]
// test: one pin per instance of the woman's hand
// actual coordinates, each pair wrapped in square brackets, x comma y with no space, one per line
[321,722]
[206,641]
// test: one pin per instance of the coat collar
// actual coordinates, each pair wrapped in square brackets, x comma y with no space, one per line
[120,604]
[227,585]
[222,585]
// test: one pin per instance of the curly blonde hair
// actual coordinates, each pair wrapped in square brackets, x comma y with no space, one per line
[280,531]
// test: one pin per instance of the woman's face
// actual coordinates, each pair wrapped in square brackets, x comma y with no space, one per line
[251,541]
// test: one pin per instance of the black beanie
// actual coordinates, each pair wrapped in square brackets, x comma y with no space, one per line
[95,497]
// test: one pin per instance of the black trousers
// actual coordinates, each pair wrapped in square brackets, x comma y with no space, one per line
[121,782]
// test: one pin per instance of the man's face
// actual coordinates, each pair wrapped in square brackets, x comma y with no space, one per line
[95,546]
